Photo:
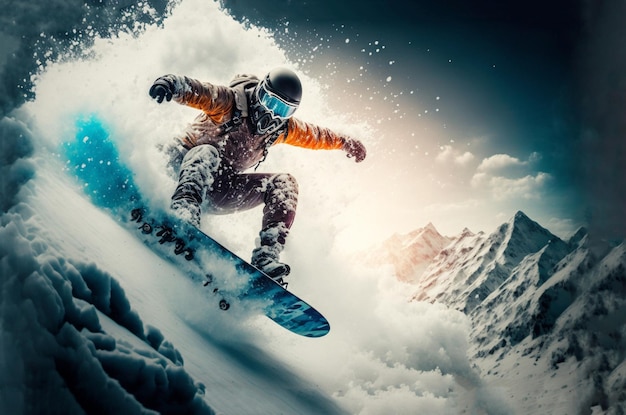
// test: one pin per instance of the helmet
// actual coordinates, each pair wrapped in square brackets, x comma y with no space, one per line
[276,98]
[280,92]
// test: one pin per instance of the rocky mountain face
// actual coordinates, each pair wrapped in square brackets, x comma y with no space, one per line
[548,316]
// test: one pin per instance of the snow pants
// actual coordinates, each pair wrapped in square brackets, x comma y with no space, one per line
[206,182]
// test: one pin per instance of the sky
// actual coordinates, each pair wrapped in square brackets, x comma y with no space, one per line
[478,109]
[469,112]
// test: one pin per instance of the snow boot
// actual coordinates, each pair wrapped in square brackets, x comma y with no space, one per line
[266,255]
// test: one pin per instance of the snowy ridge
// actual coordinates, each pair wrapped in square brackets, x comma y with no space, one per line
[411,253]
[485,263]
[506,316]
[555,308]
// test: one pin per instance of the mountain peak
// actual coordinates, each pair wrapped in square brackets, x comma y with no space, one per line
[410,253]
[522,223]
[522,236]
[578,236]
[430,227]
[520,217]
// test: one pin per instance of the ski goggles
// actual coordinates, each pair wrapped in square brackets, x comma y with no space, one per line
[275,104]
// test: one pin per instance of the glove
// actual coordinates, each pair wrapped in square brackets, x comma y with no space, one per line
[162,88]
[355,149]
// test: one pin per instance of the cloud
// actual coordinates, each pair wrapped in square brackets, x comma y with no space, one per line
[527,187]
[564,228]
[508,177]
[499,162]
[504,162]
[449,154]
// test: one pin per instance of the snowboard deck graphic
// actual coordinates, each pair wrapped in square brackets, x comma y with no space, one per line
[93,159]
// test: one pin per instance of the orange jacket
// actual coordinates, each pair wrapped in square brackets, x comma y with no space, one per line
[240,148]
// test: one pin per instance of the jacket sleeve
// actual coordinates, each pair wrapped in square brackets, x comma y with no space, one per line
[215,100]
[310,136]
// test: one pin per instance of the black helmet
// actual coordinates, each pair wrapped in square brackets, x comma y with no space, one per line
[285,84]
[277,98]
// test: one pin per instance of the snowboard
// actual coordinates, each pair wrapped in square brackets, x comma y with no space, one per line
[93,159]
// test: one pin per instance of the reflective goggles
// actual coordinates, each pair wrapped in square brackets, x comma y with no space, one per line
[278,106]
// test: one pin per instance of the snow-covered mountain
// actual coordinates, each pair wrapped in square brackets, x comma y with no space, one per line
[567,317]
[547,316]
[411,253]
[464,274]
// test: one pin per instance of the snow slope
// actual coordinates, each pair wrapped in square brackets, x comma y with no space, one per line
[94,322]
[169,301]
[91,293]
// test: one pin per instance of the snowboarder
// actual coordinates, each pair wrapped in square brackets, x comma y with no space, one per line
[237,126]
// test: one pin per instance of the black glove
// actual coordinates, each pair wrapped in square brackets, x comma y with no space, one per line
[355,149]
[162,88]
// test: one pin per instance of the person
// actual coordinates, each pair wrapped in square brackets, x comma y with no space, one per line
[238,125]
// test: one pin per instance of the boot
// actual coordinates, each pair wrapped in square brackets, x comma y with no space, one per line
[266,255]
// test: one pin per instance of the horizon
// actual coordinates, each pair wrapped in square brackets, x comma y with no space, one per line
[512,218]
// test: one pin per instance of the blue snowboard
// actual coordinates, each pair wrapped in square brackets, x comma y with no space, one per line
[94,160]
